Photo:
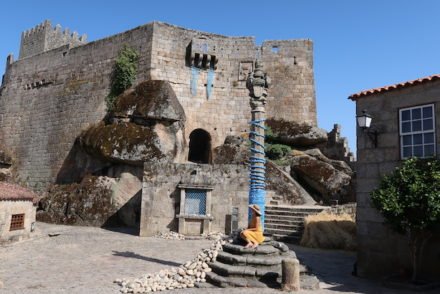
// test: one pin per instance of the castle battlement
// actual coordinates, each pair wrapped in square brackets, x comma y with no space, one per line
[43,37]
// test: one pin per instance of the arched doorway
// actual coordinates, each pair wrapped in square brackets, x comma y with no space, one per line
[199,146]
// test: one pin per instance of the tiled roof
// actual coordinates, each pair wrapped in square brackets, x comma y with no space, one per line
[394,87]
[14,192]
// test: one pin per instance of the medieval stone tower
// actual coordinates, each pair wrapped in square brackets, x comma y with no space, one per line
[57,88]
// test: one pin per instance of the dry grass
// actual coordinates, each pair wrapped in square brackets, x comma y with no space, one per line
[330,231]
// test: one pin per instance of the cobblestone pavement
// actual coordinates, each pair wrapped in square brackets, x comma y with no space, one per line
[87,260]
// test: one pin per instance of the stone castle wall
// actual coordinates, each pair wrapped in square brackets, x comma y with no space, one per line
[49,98]
[44,37]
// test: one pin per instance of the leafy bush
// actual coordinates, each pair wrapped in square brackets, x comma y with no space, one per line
[277,151]
[409,199]
[124,73]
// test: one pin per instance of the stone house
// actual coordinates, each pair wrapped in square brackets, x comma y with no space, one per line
[17,212]
[405,117]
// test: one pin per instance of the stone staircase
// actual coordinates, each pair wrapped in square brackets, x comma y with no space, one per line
[286,223]
[237,266]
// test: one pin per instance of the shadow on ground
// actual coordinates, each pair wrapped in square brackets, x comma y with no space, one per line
[130,254]
[334,269]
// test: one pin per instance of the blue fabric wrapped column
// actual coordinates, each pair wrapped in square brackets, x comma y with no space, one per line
[257,187]
[257,84]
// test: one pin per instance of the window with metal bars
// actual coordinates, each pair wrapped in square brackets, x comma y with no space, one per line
[17,222]
[195,202]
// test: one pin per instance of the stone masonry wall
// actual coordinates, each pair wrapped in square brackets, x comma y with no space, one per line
[7,209]
[47,99]
[43,38]
[381,251]
[289,64]
[227,111]
[161,196]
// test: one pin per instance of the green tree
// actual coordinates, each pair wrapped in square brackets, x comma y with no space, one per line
[124,73]
[409,200]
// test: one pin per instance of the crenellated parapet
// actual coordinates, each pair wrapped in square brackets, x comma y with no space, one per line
[44,37]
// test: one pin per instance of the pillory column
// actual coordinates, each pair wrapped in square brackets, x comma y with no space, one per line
[257,84]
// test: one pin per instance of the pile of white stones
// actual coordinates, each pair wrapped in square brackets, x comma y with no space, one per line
[170,236]
[185,276]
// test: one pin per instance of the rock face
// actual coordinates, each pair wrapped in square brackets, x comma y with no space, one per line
[294,134]
[150,101]
[321,175]
[233,151]
[285,186]
[337,164]
[145,126]
[87,203]
[5,165]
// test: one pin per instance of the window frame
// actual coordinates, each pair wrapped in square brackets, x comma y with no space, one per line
[16,225]
[186,204]
[411,133]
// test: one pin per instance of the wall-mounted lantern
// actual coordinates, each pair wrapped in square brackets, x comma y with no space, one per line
[364,122]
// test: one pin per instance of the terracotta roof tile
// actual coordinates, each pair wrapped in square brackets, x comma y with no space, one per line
[393,87]
[14,192]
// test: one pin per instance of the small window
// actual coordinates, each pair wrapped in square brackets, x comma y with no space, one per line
[195,202]
[417,131]
[275,49]
[17,222]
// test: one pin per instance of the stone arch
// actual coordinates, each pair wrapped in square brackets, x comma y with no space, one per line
[200,146]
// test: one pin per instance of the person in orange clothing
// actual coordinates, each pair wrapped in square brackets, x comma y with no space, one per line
[253,235]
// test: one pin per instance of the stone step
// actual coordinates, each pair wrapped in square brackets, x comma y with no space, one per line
[241,250]
[285,227]
[289,213]
[307,282]
[227,270]
[225,282]
[285,221]
[295,209]
[294,239]
[273,232]
[233,259]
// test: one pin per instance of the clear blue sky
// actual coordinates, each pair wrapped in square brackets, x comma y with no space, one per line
[358,44]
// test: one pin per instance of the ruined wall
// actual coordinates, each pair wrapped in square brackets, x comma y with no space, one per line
[161,195]
[47,99]
[381,251]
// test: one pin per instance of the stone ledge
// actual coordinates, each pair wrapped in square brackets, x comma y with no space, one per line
[245,270]
[229,258]
[190,216]
[260,250]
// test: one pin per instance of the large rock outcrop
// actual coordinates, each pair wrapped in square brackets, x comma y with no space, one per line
[294,134]
[320,175]
[5,164]
[285,188]
[146,125]
[152,100]
[85,203]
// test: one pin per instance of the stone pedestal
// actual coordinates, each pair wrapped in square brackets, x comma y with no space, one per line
[237,266]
